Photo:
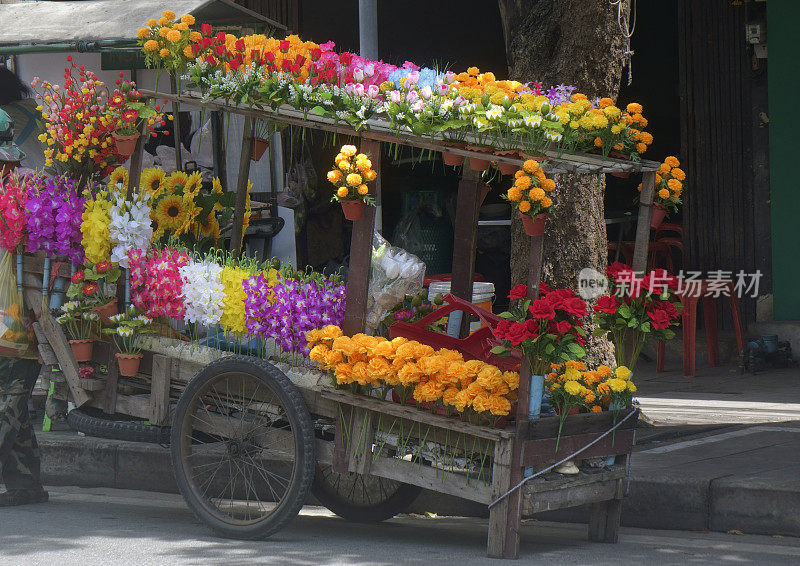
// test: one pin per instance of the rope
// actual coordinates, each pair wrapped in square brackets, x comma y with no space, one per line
[627,32]
[547,469]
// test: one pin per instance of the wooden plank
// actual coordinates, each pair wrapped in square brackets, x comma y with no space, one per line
[340,459]
[241,188]
[572,496]
[431,478]
[576,424]
[362,437]
[159,393]
[604,520]
[93,384]
[361,257]
[465,239]
[34,264]
[112,378]
[380,130]
[643,226]
[135,165]
[537,452]
[501,483]
[58,341]
[413,414]
[47,354]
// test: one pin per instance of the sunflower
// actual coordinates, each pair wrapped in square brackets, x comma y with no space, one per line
[177,180]
[193,184]
[152,181]
[118,176]
[247,209]
[171,213]
[191,213]
[209,228]
[216,188]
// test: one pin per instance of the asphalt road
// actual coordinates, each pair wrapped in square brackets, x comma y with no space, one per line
[105,526]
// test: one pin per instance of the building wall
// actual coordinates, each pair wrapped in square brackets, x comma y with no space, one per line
[783,18]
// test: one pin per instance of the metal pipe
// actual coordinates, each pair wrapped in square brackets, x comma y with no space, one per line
[368,28]
[79,46]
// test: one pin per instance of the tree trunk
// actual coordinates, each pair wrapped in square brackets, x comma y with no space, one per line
[576,42]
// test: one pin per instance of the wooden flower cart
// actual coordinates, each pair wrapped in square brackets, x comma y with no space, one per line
[250,439]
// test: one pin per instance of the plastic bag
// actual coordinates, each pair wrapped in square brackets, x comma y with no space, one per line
[394,274]
[16,335]
[300,182]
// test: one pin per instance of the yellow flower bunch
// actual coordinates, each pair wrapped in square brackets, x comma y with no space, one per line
[94,227]
[531,189]
[473,84]
[232,319]
[669,183]
[352,173]
[441,377]
[167,42]
[572,385]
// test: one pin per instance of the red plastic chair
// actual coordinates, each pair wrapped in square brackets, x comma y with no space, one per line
[476,346]
[690,303]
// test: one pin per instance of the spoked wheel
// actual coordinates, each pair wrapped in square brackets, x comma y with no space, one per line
[243,448]
[362,499]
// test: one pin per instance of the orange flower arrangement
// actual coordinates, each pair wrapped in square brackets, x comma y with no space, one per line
[669,184]
[530,193]
[439,377]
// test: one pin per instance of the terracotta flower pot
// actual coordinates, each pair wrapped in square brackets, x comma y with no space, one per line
[452,159]
[128,365]
[125,144]
[82,349]
[353,209]
[485,190]
[659,212]
[507,168]
[534,226]
[260,145]
[106,311]
[477,163]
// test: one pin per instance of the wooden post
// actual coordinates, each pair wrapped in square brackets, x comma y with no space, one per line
[514,514]
[159,392]
[57,341]
[112,377]
[466,238]
[176,122]
[135,166]
[643,227]
[219,149]
[241,187]
[498,515]
[355,313]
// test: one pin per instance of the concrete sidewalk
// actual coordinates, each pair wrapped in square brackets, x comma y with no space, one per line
[744,478]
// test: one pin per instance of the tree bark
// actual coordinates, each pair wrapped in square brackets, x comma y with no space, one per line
[576,42]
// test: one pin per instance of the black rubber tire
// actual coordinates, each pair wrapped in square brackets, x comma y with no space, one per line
[303,431]
[107,426]
[396,503]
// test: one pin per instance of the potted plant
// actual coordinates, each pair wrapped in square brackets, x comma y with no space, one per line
[350,177]
[80,320]
[126,332]
[636,309]
[91,285]
[262,133]
[530,196]
[128,114]
[668,189]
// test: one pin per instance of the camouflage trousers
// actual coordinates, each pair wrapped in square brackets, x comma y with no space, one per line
[19,452]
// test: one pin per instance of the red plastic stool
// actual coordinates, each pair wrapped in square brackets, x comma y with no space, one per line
[701,293]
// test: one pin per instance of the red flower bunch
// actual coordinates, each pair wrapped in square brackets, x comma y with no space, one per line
[156,282]
[548,329]
[638,307]
[13,223]
[77,277]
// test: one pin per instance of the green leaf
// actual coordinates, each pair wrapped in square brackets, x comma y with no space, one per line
[498,350]
[624,311]
[645,327]
[599,332]
[318,110]
[506,315]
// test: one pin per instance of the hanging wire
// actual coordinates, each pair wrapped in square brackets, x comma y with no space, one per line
[627,29]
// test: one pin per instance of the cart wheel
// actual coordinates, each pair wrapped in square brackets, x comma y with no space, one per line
[362,499]
[243,448]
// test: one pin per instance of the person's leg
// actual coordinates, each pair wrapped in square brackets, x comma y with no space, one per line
[19,452]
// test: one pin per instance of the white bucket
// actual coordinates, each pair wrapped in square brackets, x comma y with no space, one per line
[482,295]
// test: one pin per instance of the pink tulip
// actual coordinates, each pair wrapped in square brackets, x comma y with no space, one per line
[394,96]
[373,91]
[412,97]
[412,78]
[358,75]
[426,92]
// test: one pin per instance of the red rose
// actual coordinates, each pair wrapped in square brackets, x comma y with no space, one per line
[542,309]
[667,307]
[562,327]
[574,306]
[544,289]
[518,292]
[607,304]
[90,288]
[77,277]
[660,319]
[613,269]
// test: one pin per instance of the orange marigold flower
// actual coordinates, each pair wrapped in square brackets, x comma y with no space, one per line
[641,147]
[514,194]
[173,35]
[169,14]
[164,53]
[524,206]
[536,194]
[546,202]
[664,193]
[187,19]
[150,45]
[675,184]
[598,142]
[530,166]
[548,185]
[678,173]
[142,33]
[605,102]
[634,108]
[672,161]
[523,183]
[597,409]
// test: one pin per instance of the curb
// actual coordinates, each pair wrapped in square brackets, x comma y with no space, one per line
[681,502]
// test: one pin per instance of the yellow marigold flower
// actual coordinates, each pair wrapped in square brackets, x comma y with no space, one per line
[572,387]
[514,194]
[318,353]
[187,19]
[150,45]
[152,22]
[164,53]
[548,185]
[524,206]
[616,384]
[622,372]
[334,176]
[363,189]
[523,183]
[349,150]
[354,179]
[546,202]
[142,33]
[473,71]
[363,165]
[370,175]
[530,166]
[678,174]
[169,14]
[173,35]
[536,194]
[187,52]
[631,387]
[342,192]
[664,193]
